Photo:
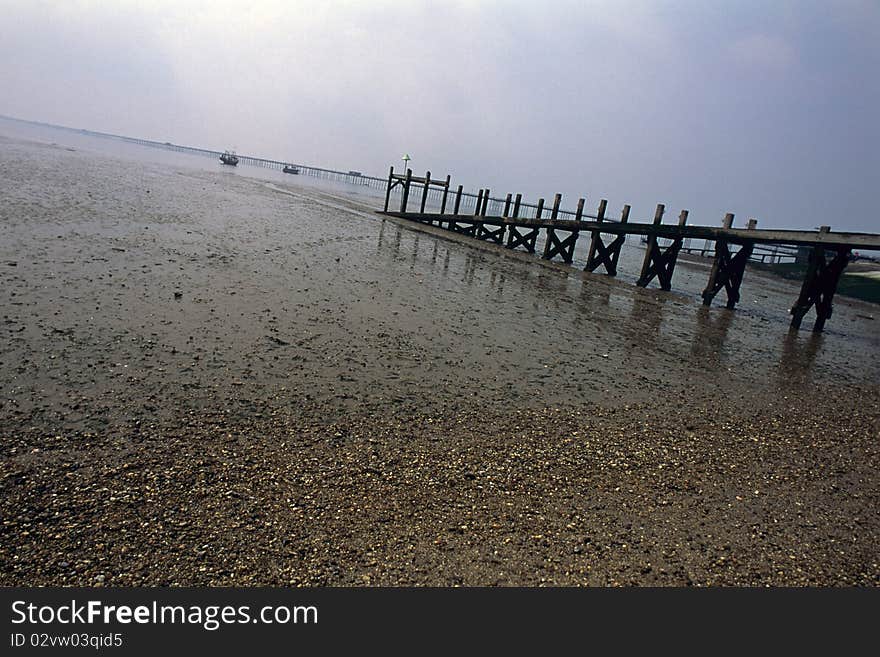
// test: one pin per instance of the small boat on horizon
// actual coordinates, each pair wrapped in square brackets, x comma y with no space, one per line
[230,158]
[289,168]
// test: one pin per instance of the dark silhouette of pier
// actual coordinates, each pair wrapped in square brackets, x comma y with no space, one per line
[511,223]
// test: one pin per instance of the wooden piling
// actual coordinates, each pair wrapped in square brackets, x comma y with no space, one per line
[728,269]
[405,195]
[527,237]
[561,246]
[595,238]
[551,234]
[615,255]
[425,192]
[507,202]
[388,189]
[445,194]
[652,241]
[659,262]
[820,284]
[458,199]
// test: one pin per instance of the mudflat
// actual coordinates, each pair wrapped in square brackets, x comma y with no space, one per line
[213,379]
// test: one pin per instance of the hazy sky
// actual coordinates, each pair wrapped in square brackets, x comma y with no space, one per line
[767,109]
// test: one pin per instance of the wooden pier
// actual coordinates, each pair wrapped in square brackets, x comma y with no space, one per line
[733,247]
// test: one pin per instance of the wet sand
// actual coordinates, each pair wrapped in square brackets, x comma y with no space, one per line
[210,378]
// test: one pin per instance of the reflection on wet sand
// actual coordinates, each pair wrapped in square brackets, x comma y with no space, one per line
[598,294]
[710,335]
[398,234]
[496,282]
[798,358]
[647,310]
[470,267]
[382,225]
[415,251]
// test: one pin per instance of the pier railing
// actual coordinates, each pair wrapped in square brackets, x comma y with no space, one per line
[512,224]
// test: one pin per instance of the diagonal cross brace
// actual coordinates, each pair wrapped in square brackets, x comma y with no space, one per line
[562,246]
[661,264]
[526,239]
[727,272]
[491,235]
[600,254]
[457,227]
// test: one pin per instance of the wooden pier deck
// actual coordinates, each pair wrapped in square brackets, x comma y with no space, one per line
[829,251]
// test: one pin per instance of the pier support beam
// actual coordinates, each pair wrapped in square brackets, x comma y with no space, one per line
[660,263]
[820,284]
[404,197]
[599,253]
[445,195]
[464,224]
[388,189]
[425,191]
[494,234]
[525,237]
[562,246]
[727,269]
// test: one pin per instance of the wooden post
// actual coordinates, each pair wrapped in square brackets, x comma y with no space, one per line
[820,284]
[727,269]
[652,241]
[457,199]
[550,242]
[540,209]
[661,262]
[507,205]
[554,245]
[388,190]
[445,194]
[580,209]
[595,237]
[672,252]
[482,232]
[405,196]
[624,218]
[479,203]
[708,294]
[425,192]
[517,238]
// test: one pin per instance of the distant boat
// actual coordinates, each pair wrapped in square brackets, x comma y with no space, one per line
[230,158]
[289,168]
